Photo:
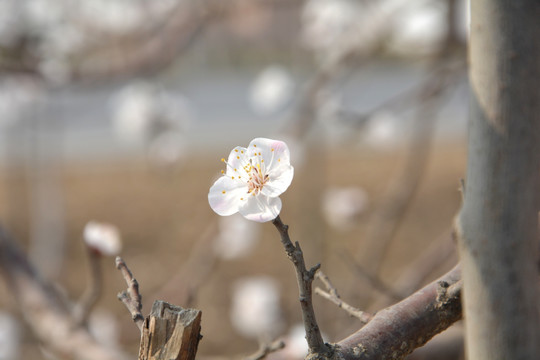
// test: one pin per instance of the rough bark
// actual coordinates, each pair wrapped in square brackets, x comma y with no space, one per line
[170,333]
[498,221]
[396,331]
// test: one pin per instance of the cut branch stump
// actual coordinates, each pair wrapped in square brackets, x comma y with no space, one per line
[170,333]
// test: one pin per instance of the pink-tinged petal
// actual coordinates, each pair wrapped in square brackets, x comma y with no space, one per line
[277,185]
[226,196]
[272,151]
[261,208]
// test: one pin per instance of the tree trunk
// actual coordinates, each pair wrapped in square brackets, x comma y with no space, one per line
[498,221]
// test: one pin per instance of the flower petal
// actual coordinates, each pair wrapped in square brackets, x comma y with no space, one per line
[277,184]
[261,208]
[225,196]
[275,158]
[272,151]
[237,160]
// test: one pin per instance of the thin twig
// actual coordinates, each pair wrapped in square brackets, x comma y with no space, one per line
[304,279]
[131,297]
[265,349]
[333,296]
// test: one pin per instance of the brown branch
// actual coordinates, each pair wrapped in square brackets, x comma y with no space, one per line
[46,311]
[304,279]
[333,296]
[265,349]
[396,331]
[131,297]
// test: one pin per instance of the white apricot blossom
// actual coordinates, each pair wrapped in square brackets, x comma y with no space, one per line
[254,179]
[103,238]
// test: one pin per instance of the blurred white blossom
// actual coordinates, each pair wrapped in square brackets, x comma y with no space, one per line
[271,91]
[142,111]
[112,15]
[104,327]
[237,237]
[10,337]
[103,238]
[167,149]
[296,347]
[16,94]
[255,311]
[324,22]
[381,131]
[342,206]
[419,29]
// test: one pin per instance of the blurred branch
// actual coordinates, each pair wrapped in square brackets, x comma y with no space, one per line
[304,279]
[389,215]
[413,96]
[358,44]
[201,261]
[333,296]
[92,292]
[46,312]
[146,53]
[373,280]
[424,265]
[131,297]
[265,349]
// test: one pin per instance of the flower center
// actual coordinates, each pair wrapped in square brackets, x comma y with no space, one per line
[256,179]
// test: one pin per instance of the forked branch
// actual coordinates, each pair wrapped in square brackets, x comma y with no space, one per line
[333,296]
[131,297]
[304,278]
